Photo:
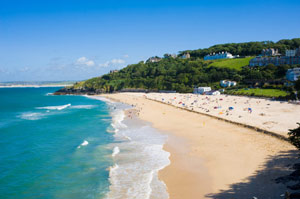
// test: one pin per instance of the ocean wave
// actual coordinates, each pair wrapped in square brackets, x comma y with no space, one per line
[110,130]
[49,94]
[83,106]
[116,150]
[140,157]
[99,98]
[117,117]
[32,116]
[139,162]
[55,107]
[84,143]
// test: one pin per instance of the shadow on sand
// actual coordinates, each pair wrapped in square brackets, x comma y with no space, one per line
[262,183]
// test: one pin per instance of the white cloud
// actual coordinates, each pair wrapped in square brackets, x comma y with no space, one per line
[117,61]
[85,61]
[90,63]
[112,62]
[24,69]
[126,56]
[105,64]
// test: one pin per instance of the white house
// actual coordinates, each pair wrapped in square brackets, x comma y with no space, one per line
[213,93]
[186,56]
[227,83]
[153,59]
[201,90]
[293,74]
[220,55]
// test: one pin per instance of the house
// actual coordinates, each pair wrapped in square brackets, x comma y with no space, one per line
[170,55]
[269,52]
[153,59]
[292,53]
[213,93]
[113,71]
[220,55]
[263,61]
[227,83]
[293,74]
[201,90]
[186,56]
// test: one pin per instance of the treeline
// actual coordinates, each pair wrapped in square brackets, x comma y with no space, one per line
[246,49]
[181,75]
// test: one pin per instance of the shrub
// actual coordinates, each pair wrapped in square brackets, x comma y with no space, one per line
[294,136]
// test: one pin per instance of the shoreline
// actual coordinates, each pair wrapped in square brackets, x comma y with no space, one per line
[33,86]
[137,157]
[206,165]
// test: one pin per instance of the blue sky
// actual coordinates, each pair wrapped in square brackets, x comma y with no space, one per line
[76,39]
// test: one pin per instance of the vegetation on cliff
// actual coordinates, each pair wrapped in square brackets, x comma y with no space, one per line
[182,75]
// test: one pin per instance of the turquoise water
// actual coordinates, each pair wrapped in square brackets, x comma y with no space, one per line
[53,146]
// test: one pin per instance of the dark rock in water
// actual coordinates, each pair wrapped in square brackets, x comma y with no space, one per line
[295,186]
[80,91]
[296,166]
[295,195]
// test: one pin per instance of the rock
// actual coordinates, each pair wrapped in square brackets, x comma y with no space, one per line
[295,186]
[295,195]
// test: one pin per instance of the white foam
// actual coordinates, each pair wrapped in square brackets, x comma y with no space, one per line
[84,143]
[136,175]
[32,116]
[140,157]
[83,106]
[49,94]
[55,107]
[99,98]
[117,120]
[116,150]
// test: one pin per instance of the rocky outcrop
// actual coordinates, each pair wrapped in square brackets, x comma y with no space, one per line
[77,91]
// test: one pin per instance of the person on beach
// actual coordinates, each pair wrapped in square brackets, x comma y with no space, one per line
[249,110]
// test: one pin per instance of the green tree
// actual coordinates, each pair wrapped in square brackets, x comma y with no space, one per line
[294,136]
[297,84]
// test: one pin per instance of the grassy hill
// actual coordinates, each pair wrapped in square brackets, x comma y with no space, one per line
[236,64]
[259,92]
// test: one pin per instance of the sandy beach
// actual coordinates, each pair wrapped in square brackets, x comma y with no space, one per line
[211,158]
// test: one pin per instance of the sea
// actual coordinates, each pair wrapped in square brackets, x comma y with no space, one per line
[76,147]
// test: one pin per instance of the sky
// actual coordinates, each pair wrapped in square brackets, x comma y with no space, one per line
[57,40]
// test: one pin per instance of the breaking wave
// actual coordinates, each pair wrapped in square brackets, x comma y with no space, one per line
[32,116]
[84,143]
[55,107]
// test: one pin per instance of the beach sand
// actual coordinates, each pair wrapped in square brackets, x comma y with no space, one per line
[211,158]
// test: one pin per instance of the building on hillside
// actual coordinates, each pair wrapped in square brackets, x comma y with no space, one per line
[170,55]
[269,52]
[186,56]
[293,74]
[153,59]
[113,71]
[263,61]
[220,55]
[201,90]
[227,83]
[213,93]
[292,53]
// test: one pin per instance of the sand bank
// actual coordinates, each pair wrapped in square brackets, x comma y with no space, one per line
[212,158]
